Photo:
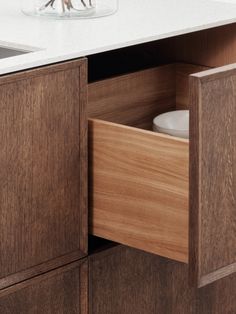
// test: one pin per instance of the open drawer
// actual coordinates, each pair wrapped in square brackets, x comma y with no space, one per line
[161,194]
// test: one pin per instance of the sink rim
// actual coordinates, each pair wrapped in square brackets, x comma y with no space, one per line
[18,47]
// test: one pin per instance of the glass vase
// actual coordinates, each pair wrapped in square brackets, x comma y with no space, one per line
[69,9]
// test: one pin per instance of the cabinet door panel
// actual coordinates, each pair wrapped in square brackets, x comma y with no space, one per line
[43,210]
[62,291]
[136,282]
[213,175]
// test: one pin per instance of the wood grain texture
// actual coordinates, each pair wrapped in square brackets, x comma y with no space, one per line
[212,47]
[139,188]
[136,98]
[182,72]
[212,175]
[125,280]
[133,99]
[43,190]
[61,291]
[40,269]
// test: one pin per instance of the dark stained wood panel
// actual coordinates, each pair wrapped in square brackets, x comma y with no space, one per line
[211,47]
[218,298]
[125,280]
[183,70]
[62,291]
[43,167]
[213,175]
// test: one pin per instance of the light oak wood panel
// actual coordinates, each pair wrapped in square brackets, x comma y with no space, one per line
[61,291]
[133,99]
[43,173]
[139,188]
[136,98]
[213,175]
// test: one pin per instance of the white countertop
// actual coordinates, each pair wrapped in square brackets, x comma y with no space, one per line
[137,21]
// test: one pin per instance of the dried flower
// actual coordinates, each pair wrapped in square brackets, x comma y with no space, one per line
[66,4]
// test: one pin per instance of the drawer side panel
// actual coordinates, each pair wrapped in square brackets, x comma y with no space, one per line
[139,189]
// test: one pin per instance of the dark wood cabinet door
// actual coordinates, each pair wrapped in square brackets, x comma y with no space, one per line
[62,291]
[43,169]
[213,175]
[128,281]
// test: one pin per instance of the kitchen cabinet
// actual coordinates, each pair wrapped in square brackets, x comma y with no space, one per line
[60,291]
[169,202]
[161,194]
[136,282]
[43,160]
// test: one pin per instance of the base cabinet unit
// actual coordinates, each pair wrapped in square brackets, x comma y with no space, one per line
[43,162]
[167,204]
[61,291]
[128,281]
[166,195]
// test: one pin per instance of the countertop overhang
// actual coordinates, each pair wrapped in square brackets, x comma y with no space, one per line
[136,22]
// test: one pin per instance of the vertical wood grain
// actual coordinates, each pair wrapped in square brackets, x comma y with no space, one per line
[212,175]
[43,167]
[58,292]
[211,47]
[182,72]
[125,280]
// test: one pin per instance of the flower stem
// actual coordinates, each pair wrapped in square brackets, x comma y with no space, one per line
[66,4]
[63,5]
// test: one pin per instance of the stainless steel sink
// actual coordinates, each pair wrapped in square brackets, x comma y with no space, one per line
[6,52]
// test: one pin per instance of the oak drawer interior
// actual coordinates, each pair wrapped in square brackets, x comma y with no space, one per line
[139,180]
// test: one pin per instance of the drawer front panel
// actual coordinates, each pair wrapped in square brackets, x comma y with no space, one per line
[43,196]
[213,175]
[58,292]
[139,188]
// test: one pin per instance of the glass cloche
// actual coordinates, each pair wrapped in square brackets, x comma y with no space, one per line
[69,9]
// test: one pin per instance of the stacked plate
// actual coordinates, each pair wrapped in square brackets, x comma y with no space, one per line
[175,123]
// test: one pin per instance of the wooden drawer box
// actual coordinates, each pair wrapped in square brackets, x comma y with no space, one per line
[161,194]
[141,189]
